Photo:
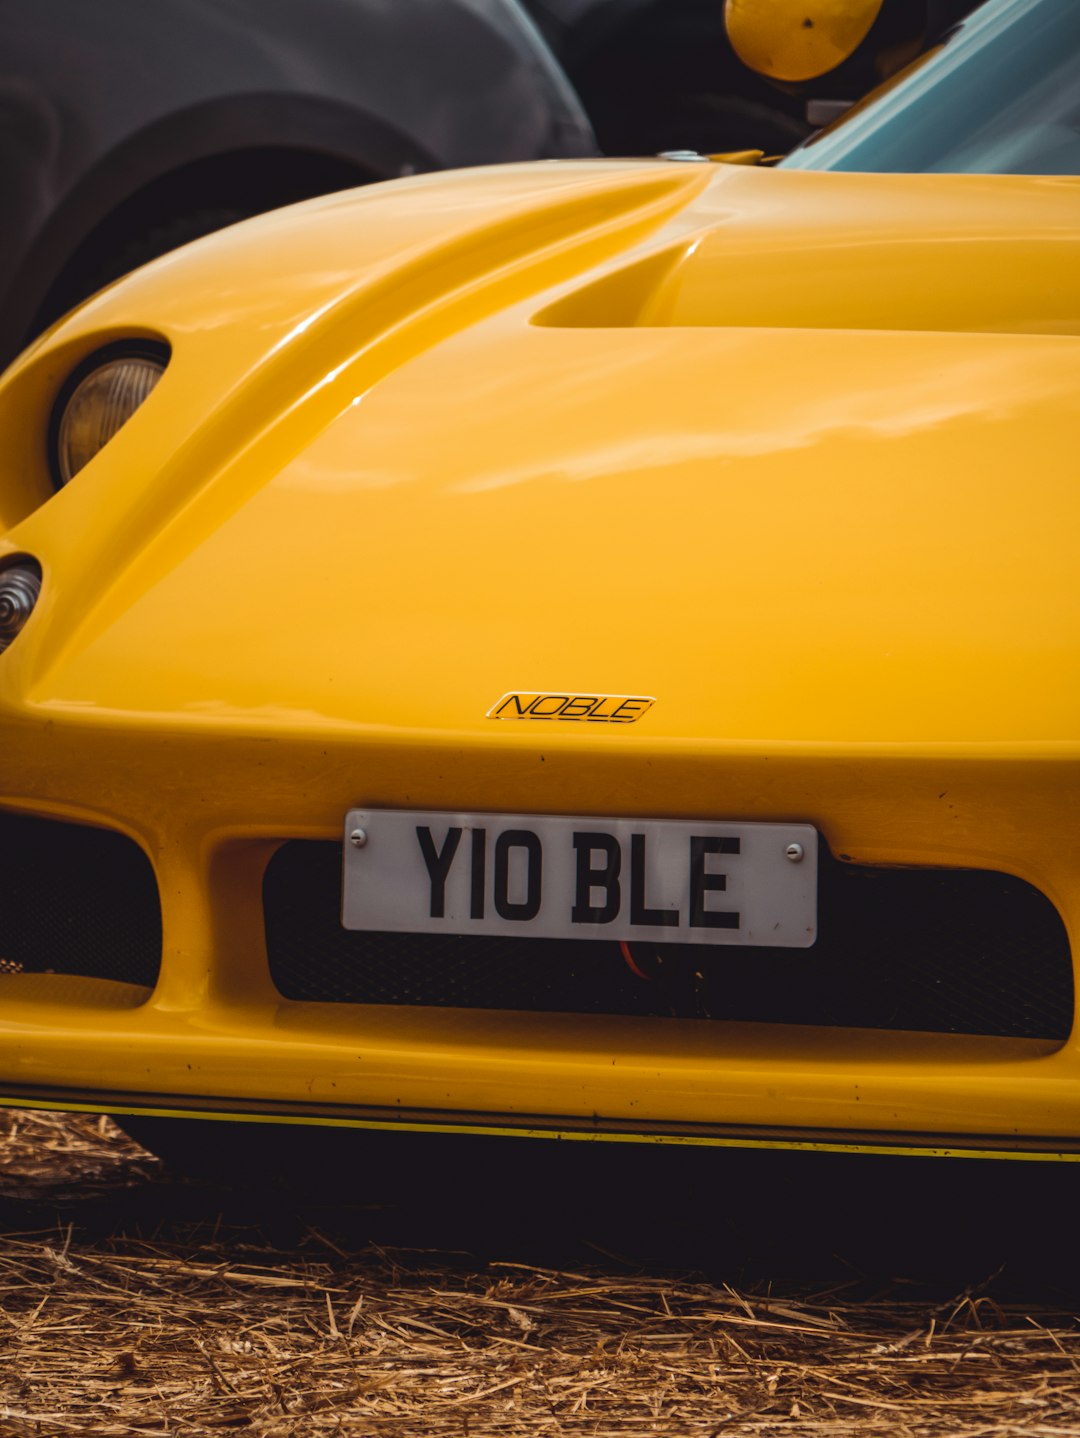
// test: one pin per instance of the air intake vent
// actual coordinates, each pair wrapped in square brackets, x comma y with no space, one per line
[932,950]
[76,900]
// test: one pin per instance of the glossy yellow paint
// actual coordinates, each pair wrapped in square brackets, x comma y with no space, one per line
[780,449]
[797,39]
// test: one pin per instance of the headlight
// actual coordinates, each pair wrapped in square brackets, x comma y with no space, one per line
[100,397]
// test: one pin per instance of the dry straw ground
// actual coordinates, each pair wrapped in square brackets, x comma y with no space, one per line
[134,1305]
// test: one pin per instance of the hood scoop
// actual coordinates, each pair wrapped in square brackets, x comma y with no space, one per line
[959,254]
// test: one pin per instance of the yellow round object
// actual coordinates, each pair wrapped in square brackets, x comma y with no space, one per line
[797,39]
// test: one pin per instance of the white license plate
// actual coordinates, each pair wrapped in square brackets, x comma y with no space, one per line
[671,881]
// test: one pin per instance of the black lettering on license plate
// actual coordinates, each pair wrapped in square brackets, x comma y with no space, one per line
[604,884]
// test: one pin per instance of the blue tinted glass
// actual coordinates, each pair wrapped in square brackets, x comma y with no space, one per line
[1001,97]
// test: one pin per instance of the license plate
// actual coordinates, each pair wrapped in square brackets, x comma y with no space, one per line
[669,881]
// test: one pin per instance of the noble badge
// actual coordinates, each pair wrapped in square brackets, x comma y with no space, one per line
[573,708]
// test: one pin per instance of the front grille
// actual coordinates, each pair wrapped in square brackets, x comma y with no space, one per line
[75,900]
[933,950]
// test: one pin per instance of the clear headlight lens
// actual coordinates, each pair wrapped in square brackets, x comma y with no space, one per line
[101,402]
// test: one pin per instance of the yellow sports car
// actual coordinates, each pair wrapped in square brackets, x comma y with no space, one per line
[584,649]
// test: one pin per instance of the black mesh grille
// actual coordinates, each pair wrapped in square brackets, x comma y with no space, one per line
[75,900]
[936,950]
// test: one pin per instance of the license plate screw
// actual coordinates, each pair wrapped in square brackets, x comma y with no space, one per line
[358,838]
[795,853]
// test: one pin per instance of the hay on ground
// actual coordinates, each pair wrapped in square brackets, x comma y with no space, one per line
[194,1330]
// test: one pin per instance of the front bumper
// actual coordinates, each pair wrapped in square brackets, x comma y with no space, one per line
[210,807]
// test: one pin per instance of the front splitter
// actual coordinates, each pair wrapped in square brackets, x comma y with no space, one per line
[225,1110]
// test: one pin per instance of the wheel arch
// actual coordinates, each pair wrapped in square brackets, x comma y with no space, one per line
[265,150]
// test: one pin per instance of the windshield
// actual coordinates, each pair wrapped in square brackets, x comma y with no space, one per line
[1002,96]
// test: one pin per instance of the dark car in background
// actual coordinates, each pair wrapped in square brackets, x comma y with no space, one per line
[663,74]
[127,128]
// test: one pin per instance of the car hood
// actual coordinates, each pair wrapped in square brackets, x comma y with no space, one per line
[793,454]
